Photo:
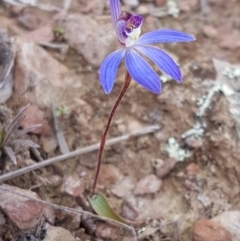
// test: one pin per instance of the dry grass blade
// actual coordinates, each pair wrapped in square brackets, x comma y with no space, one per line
[59,133]
[27,143]
[10,153]
[10,135]
[110,142]
[14,125]
[27,130]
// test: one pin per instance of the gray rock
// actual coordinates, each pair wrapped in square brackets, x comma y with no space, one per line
[230,220]
[148,184]
[58,234]
[91,38]
[42,80]
[21,209]
[72,186]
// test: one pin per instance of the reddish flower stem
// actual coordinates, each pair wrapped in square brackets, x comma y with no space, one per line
[103,139]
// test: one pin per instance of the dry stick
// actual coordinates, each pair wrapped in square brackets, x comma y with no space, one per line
[63,146]
[103,139]
[95,147]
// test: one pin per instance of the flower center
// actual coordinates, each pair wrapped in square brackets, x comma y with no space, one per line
[131,29]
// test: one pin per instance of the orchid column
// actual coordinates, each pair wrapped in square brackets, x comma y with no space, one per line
[133,47]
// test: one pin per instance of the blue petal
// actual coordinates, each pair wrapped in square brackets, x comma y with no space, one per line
[162,60]
[164,36]
[142,72]
[115,9]
[120,31]
[108,69]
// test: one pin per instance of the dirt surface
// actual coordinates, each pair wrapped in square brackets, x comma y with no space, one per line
[199,131]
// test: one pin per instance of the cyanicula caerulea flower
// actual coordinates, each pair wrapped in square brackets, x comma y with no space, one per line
[134,46]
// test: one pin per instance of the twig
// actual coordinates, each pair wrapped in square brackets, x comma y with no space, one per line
[60,136]
[44,7]
[95,147]
[66,4]
[55,45]
[204,7]
[36,154]
[71,210]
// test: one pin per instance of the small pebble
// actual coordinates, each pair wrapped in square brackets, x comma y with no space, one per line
[148,184]
[207,230]
[160,3]
[166,167]
[231,221]
[72,186]
[106,231]
[209,31]
[192,169]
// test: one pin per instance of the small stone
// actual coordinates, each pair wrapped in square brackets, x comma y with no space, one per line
[193,142]
[186,5]
[160,3]
[133,125]
[85,43]
[147,185]
[28,19]
[49,144]
[109,174]
[192,169]
[88,160]
[128,211]
[81,234]
[123,188]
[55,180]
[206,230]
[230,42]
[157,163]
[72,186]
[231,221]
[142,9]
[42,80]
[166,167]
[22,211]
[106,231]
[209,31]
[190,185]
[58,233]
[35,116]
[74,224]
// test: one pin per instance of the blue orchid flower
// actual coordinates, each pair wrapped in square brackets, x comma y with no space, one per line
[128,29]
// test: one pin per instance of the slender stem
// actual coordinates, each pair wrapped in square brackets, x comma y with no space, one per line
[103,139]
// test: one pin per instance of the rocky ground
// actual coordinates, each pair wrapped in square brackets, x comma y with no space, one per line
[178,182]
